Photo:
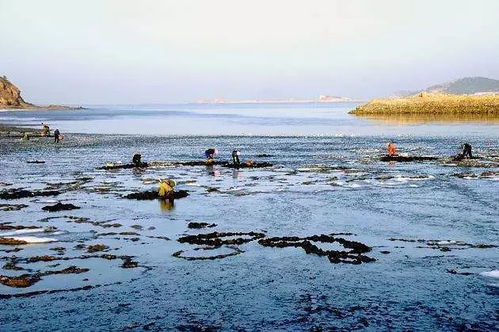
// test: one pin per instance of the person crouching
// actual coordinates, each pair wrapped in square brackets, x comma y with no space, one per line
[166,189]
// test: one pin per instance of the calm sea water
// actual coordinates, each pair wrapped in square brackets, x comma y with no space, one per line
[245,119]
[426,226]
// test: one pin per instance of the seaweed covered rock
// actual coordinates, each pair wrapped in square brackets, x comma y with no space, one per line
[128,263]
[182,253]
[23,193]
[407,158]
[70,270]
[249,165]
[123,166]
[11,241]
[217,239]
[354,253]
[60,207]
[197,225]
[153,194]
[22,281]
[97,247]
[200,163]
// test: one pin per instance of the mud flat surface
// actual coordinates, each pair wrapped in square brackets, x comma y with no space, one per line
[326,236]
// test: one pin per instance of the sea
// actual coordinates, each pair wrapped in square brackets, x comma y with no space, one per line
[431,228]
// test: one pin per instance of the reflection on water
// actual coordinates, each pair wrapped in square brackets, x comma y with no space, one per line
[166,204]
[428,118]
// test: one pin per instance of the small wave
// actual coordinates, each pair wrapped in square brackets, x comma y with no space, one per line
[20,231]
[491,274]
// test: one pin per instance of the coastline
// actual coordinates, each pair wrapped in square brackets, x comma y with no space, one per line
[40,108]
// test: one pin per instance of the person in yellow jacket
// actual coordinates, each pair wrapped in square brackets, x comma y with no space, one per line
[166,188]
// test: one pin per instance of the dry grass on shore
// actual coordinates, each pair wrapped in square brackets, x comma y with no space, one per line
[424,103]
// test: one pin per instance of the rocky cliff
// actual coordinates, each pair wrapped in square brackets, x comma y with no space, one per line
[10,95]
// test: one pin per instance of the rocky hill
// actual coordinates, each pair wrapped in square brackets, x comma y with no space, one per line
[462,86]
[10,95]
[467,85]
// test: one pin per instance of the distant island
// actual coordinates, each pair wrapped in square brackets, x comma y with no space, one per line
[321,99]
[470,95]
[10,98]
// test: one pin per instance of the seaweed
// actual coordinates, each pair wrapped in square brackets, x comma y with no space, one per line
[12,207]
[97,247]
[23,193]
[216,239]
[179,254]
[124,166]
[153,194]
[197,225]
[60,207]
[249,165]
[11,241]
[407,158]
[354,254]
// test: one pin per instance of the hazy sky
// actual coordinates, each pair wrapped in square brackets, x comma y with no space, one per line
[98,51]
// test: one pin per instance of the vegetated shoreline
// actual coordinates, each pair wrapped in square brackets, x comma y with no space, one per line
[438,104]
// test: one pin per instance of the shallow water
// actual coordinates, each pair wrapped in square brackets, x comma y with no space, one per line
[318,185]
[320,119]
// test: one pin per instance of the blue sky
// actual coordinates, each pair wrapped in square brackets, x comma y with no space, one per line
[98,51]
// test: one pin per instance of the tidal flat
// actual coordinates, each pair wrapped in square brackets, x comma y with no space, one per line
[327,237]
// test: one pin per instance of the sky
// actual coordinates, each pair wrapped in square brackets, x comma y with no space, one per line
[175,51]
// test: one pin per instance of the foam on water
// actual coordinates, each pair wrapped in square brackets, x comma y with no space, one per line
[491,274]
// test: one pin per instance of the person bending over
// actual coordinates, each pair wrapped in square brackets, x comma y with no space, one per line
[392,149]
[210,155]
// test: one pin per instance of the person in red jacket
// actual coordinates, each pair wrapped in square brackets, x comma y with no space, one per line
[392,149]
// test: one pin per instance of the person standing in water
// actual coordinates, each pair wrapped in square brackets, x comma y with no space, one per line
[57,136]
[235,157]
[392,149]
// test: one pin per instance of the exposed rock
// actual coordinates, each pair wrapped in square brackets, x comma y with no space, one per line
[200,225]
[216,239]
[97,247]
[180,254]
[124,166]
[9,226]
[22,281]
[249,165]
[45,258]
[11,241]
[60,207]
[128,263]
[22,193]
[153,194]
[12,207]
[70,270]
[10,95]
[352,256]
[407,158]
